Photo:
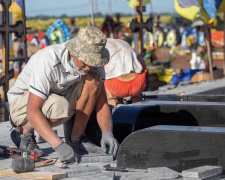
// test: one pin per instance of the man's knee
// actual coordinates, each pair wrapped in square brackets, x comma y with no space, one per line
[56,108]
[61,106]
[55,122]
[59,111]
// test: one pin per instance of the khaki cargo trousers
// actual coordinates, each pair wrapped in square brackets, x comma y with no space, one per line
[54,107]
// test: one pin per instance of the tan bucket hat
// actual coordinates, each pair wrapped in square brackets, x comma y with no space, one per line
[89,47]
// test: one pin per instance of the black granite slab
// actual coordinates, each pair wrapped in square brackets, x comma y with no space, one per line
[209,114]
[130,118]
[175,147]
[127,119]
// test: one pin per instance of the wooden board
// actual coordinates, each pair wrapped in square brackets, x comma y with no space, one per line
[36,174]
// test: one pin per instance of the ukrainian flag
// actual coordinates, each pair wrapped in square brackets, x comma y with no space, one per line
[204,16]
[189,9]
[222,7]
[209,9]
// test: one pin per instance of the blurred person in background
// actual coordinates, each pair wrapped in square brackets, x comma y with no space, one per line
[73,28]
[118,27]
[108,26]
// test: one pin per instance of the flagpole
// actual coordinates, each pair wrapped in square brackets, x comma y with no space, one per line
[140,31]
[153,26]
[224,43]
[96,8]
[92,13]
[151,7]
[110,7]
[208,44]
[24,36]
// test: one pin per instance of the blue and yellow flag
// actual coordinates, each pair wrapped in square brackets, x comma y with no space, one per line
[189,9]
[134,3]
[211,7]
[204,16]
[222,7]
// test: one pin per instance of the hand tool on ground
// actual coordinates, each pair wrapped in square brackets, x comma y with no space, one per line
[16,152]
[4,150]
[22,164]
[47,162]
[109,168]
[27,164]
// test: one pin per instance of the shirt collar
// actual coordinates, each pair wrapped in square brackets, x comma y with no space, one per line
[66,65]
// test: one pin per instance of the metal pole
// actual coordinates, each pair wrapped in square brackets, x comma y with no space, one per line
[5,49]
[25,34]
[209,50]
[5,29]
[151,7]
[153,26]
[224,43]
[96,8]
[140,31]
[110,7]
[92,13]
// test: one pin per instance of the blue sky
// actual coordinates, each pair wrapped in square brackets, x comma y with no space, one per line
[82,7]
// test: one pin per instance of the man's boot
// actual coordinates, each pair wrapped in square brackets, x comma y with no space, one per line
[15,137]
[26,141]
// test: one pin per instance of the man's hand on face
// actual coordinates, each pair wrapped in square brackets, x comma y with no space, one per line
[65,153]
[109,144]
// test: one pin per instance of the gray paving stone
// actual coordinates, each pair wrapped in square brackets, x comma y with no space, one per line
[101,176]
[139,176]
[82,171]
[5,163]
[105,176]
[135,177]
[202,172]
[133,174]
[96,158]
[162,173]
[216,177]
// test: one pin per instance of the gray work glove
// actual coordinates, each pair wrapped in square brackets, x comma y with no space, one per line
[65,153]
[76,152]
[109,144]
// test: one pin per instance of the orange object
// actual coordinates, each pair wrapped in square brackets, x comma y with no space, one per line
[217,38]
[123,89]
